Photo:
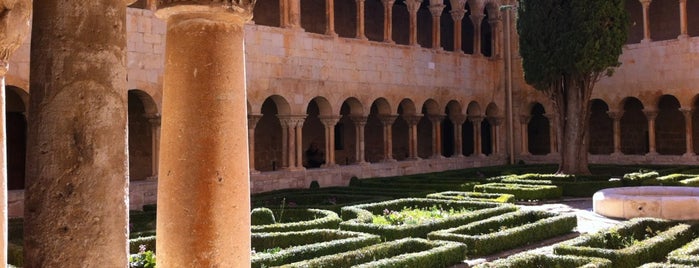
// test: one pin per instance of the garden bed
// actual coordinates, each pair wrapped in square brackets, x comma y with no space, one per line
[507,231]
[523,192]
[278,248]
[687,254]
[528,260]
[380,219]
[474,196]
[265,220]
[631,243]
[407,252]
[571,185]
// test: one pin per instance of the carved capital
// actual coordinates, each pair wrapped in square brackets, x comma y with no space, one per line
[458,5]
[292,120]
[387,120]
[238,11]
[477,18]
[457,14]
[329,120]
[253,119]
[436,10]
[359,120]
[524,119]
[645,3]
[388,3]
[495,120]
[412,119]
[687,112]
[650,114]
[457,119]
[413,5]
[436,117]
[15,19]
[615,115]
[475,119]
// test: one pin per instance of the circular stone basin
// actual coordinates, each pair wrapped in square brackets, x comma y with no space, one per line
[665,202]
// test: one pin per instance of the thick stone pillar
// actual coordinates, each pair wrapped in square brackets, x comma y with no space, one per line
[330,14]
[683,19]
[436,135]
[204,185]
[329,122]
[646,23]
[436,8]
[14,28]
[458,121]
[413,121]
[616,127]
[689,140]
[477,18]
[651,115]
[524,122]
[457,14]
[359,124]
[387,122]
[154,121]
[360,20]
[388,21]
[76,196]
[477,139]
[413,6]
[253,119]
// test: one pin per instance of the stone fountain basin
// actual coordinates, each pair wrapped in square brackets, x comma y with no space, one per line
[665,202]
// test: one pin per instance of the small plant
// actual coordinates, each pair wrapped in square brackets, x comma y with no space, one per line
[143,259]
[415,216]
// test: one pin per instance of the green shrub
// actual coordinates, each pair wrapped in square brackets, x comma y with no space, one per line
[135,244]
[278,248]
[299,220]
[359,217]
[407,252]
[354,181]
[631,243]
[665,265]
[474,196]
[315,185]
[329,199]
[522,191]
[262,216]
[15,254]
[571,185]
[507,231]
[642,177]
[527,260]
[687,254]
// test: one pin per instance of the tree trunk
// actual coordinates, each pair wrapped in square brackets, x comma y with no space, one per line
[572,122]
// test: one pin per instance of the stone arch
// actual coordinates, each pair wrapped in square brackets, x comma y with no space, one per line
[664,19]
[346,19]
[373,20]
[16,105]
[400,20]
[268,134]
[446,28]
[313,16]
[635,11]
[424,25]
[492,110]
[488,34]
[373,132]
[313,131]
[467,129]
[425,132]
[267,12]
[401,129]
[346,131]
[538,131]
[453,114]
[670,127]
[634,127]
[600,129]
[488,134]
[141,109]
[467,31]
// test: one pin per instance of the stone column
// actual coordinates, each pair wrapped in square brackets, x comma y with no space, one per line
[253,119]
[204,187]
[495,28]
[436,8]
[495,123]
[413,121]
[292,137]
[76,199]
[458,121]
[413,6]
[436,135]
[553,145]
[359,124]
[646,23]
[477,139]
[524,121]
[683,19]
[14,28]
[294,13]
[329,122]
[616,126]
[360,20]
[689,139]
[154,121]
[477,18]
[457,14]
[387,122]
[330,14]
[285,144]
[651,115]
[284,14]
[388,21]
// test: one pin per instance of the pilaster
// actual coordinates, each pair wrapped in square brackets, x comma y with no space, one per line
[253,119]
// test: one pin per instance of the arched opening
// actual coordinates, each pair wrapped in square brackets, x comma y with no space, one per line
[538,131]
[140,136]
[600,129]
[268,136]
[669,127]
[446,30]
[267,12]
[424,25]
[424,135]
[401,21]
[373,20]
[635,11]
[346,19]
[373,132]
[695,125]
[486,35]
[490,141]
[664,19]
[401,130]
[634,128]
[345,132]
[467,32]
[16,135]
[313,17]
[313,137]
[693,18]
[486,138]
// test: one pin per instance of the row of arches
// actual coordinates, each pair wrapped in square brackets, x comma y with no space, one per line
[663,19]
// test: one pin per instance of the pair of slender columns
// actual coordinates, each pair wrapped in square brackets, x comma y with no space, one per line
[359,126]
[645,4]
[387,123]
[292,142]
[329,122]
[290,16]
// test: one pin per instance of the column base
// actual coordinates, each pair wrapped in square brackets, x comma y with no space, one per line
[152,178]
[683,37]
[330,165]
[646,41]
[457,156]
[413,159]
[437,157]
[254,171]
[689,155]
[652,154]
[363,163]
[391,160]
[617,154]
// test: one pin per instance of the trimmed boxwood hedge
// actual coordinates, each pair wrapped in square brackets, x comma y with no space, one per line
[527,260]
[303,245]
[571,185]
[434,186]
[522,191]
[678,180]
[359,217]
[507,231]
[665,265]
[299,220]
[642,177]
[474,196]
[407,252]
[687,254]
[662,237]
[315,199]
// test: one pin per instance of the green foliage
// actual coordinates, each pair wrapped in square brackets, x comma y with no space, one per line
[665,265]
[315,185]
[136,243]
[525,192]
[568,38]
[262,216]
[143,259]
[415,215]
[15,254]
[474,196]
[527,260]
[687,254]
[642,177]
[507,231]
[299,220]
